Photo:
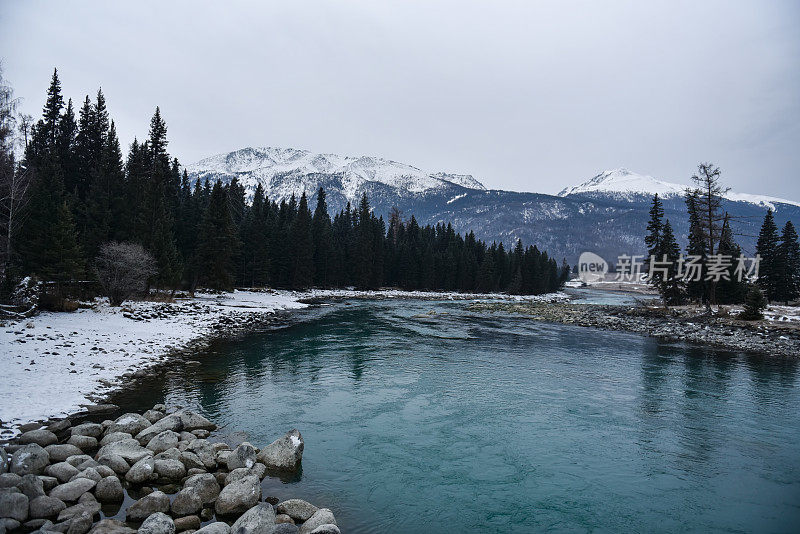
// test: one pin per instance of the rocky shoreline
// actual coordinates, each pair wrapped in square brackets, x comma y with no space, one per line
[674,325]
[163,469]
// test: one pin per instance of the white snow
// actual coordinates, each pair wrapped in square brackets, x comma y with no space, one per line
[782,314]
[55,363]
[456,198]
[286,171]
[40,354]
[623,182]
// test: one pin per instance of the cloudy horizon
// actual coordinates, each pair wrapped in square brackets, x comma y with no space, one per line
[523,97]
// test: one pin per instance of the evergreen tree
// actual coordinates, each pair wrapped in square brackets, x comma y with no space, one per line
[322,233]
[654,227]
[732,290]
[754,304]
[302,246]
[696,288]
[671,286]
[767,248]
[217,242]
[787,265]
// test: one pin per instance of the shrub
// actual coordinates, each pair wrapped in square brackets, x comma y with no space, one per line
[754,305]
[123,270]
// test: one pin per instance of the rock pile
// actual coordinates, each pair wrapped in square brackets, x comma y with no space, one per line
[58,479]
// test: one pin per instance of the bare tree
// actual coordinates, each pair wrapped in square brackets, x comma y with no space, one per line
[123,270]
[709,195]
[14,181]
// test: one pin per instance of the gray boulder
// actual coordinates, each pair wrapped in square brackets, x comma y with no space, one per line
[45,507]
[205,451]
[62,471]
[84,443]
[93,430]
[59,426]
[41,437]
[90,473]
[148,505]
[169,454]
[242,456]
[129,449]
[109,489]
[328,528]
[3,461]
[7,524]
[187,502]
[158,523]
[9,480]
[71,491]
[177,422]
[285,453]
[163,441]
[205,485]
[323,516]
[297,509]
[192,461]
[170,470]
[78,460]
[31,486]
[90,509]
[48,482]
[111,437]
[215,528]
[285,528]
[104,470]
[13,505]
[129,423]
[30,459]
[60,453]
[153,416]
[142,471]
[111,526]
[80,524]
[115,462]
[259,519]
[240,473]
[188,522]
[239,496]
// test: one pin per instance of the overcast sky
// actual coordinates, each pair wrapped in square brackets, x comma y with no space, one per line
[529,96]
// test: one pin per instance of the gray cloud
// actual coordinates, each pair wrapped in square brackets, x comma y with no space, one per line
[524,95]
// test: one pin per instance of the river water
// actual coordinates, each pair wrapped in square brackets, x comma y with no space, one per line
[422,416]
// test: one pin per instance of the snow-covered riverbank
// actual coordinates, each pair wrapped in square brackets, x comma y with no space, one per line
[55,363]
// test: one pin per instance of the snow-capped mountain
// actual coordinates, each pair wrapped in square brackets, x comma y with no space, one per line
[622,184]
[606,214]
[624,181]
[286,171]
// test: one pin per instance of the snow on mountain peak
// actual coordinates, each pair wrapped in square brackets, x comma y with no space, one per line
[624,183]
[281,170]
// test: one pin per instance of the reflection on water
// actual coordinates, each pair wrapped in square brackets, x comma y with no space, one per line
[425,417]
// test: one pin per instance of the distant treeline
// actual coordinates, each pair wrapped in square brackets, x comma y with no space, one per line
[81,194]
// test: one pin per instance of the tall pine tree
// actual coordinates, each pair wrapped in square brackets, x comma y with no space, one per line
[767,249]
